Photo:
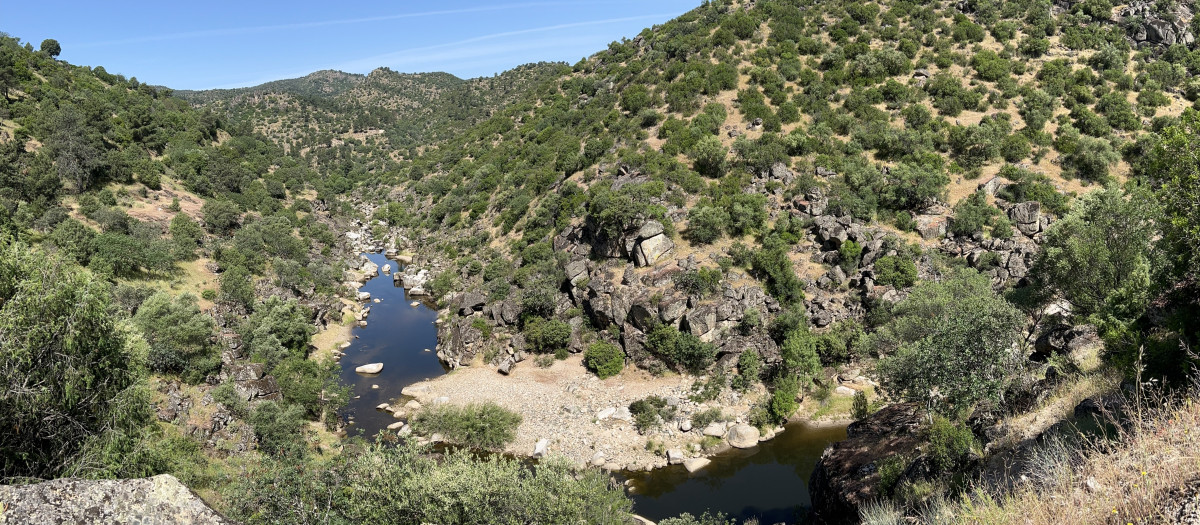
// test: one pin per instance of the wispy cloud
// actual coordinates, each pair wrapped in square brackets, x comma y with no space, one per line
[207,33]
[417,54]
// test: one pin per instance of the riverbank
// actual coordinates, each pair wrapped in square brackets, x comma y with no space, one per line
[585,419]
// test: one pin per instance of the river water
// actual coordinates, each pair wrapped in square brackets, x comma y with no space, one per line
[769,482]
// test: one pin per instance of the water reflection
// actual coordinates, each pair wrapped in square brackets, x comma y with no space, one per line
[769,482]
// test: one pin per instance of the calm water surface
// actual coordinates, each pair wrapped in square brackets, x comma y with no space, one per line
[397,335]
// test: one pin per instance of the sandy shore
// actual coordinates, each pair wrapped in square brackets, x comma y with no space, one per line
[563,404]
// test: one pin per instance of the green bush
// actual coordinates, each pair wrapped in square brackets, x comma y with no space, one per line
[783,399]
[893,270]
[650,412]
[749,366]
[605,359]
[949,443]
[547,335]
[702,281]
[860,409]
[704,418]
[890,469]
[476,425]
[972,214]
[280,430]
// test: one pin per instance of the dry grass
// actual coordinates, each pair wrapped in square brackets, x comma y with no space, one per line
[1132,479]
[1124,481]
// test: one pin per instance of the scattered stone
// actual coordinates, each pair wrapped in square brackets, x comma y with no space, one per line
[675,456]
[541,449]
[160,499]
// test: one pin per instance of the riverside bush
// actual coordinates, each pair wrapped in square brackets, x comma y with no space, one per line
[476,425]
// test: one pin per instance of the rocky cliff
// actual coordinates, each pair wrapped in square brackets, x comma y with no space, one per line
[151,501]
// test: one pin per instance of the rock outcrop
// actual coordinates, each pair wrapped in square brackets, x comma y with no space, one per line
[848,474]
[160,500]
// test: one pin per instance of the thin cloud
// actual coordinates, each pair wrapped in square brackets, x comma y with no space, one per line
[307,25]
[404,55]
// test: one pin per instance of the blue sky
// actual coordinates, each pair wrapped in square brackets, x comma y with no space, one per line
[216,44]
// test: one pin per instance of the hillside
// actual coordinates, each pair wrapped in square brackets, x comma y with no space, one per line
[969,227]
[384,113]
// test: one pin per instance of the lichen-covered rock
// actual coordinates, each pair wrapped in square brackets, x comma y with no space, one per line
[150,501]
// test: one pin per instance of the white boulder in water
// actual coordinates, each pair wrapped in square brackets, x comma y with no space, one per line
[387,268]
[373,368]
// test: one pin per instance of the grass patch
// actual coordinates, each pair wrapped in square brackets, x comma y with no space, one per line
[477,425]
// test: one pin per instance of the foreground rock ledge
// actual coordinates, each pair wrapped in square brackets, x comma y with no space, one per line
[150,501]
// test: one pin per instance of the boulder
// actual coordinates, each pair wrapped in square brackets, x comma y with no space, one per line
[715,430]
[1027,217]
[847,475]
[931,226]
[650,250]
[161,499]
[695,464]
[373,368]
[742,436]
[675,456]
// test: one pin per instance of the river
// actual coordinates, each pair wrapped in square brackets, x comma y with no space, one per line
[769,482]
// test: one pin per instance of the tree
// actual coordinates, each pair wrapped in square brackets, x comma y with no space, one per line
[51,48]
[1176,162]
[71,376]
[1098,257]
[706,224]
[178,333]
[237,287]
[220,216]
[708,156]
[1091,159]
[950,343]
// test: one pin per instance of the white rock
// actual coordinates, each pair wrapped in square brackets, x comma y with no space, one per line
[715,430]
[541,448]
[374,387]
[373,368]
[675,456]
[743,436]
[396,426]
[844,391]
[364,296]
[413,405]
[606,413]
[695,464]
[383,406]
[685,425]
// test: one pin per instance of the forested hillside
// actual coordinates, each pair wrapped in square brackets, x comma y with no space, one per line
[965,225]
[330,117]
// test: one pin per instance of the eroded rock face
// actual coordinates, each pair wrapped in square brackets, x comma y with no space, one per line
[150,501]
[848,474]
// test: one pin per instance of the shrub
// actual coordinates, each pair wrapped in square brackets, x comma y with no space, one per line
[949,443]
[950,343]
[650,412]
[707,417]
[783,399]
[701,282]
[706,224]
[476,425]
[972,214]
[749,366]
[228,396]
[605,359]
[860,409]
[547,335]
[890,469]
[893,270]
[280,430]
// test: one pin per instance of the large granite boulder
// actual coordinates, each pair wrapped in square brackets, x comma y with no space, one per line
[160,500]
